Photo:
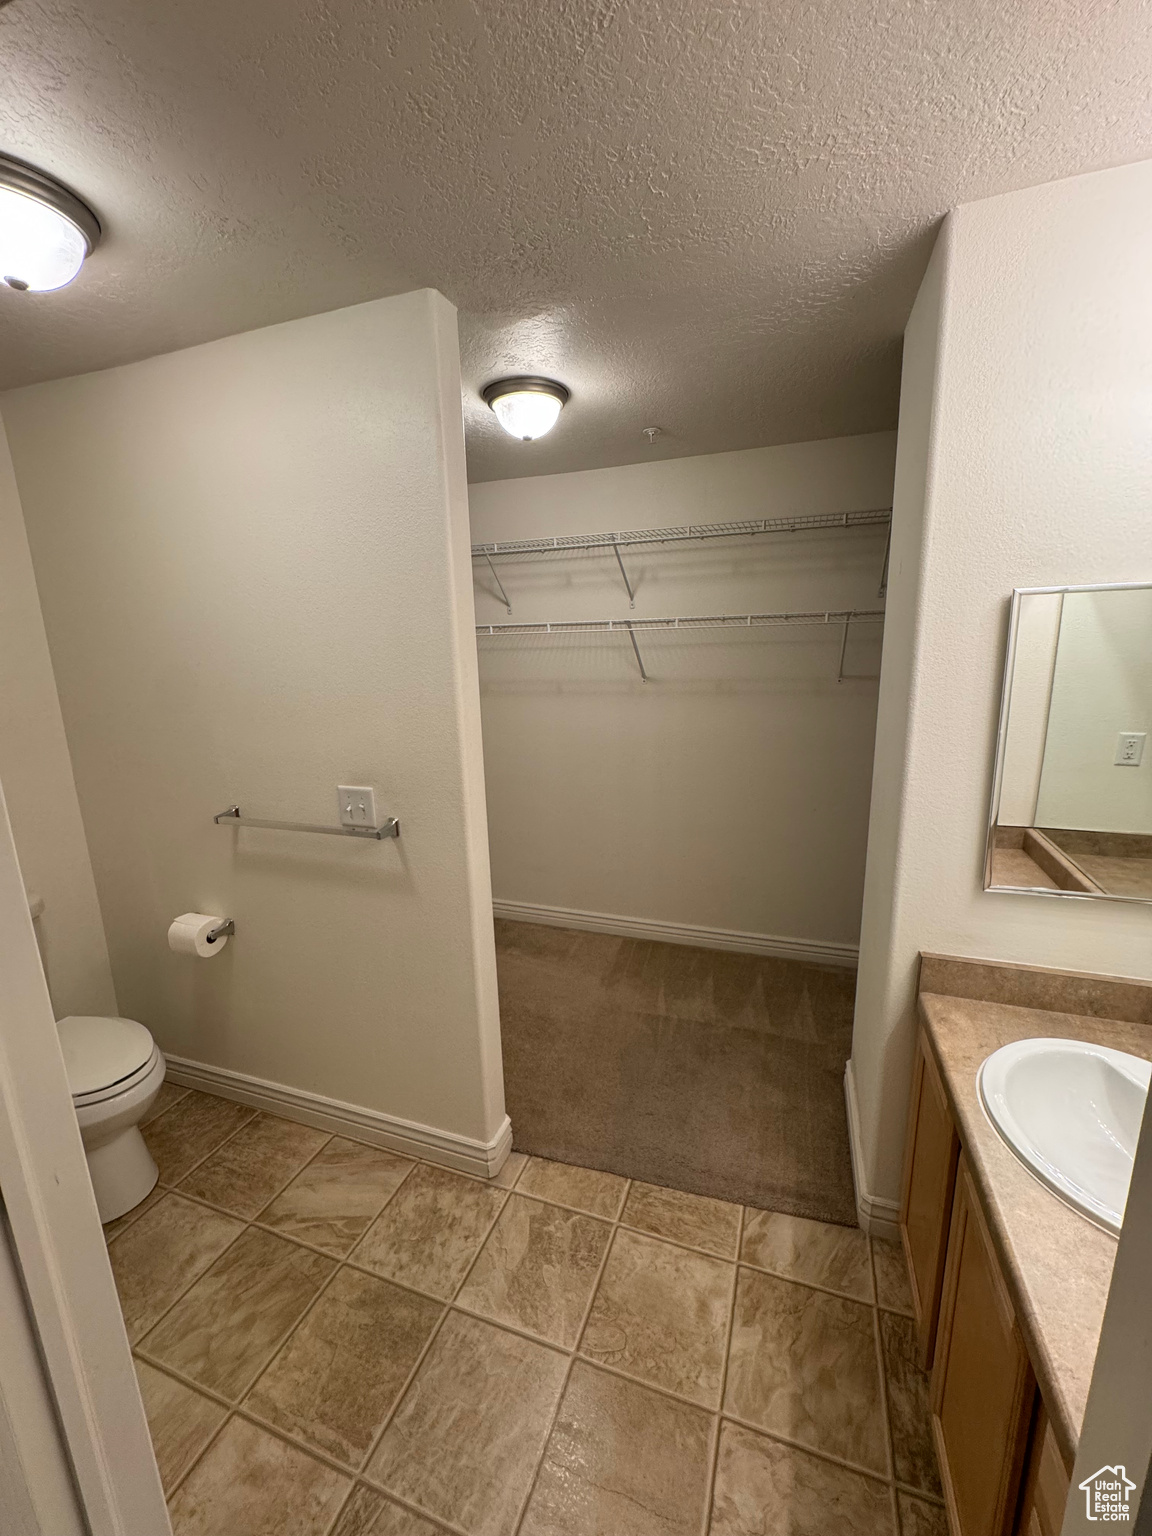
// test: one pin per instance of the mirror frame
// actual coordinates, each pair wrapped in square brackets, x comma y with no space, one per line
[1018,594]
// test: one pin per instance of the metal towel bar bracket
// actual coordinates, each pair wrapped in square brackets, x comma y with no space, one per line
[390,828]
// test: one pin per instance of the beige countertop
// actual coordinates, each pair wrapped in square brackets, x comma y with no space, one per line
[1057,1264]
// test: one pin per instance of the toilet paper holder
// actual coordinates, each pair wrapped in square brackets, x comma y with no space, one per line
[221,930]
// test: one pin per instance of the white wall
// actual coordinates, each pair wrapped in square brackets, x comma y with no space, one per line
[37,777]
[252,558]
[1024,459]
[1102,685]
[731,790]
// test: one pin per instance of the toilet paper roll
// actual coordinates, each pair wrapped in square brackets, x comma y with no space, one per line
[188,935]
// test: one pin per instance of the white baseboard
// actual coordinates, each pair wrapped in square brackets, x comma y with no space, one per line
[876,1215]
[818,951]
[484,1159]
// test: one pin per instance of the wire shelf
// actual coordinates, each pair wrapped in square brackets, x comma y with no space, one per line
[705,621]
[643,536]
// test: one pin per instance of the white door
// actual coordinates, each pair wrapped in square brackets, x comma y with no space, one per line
[54,1240]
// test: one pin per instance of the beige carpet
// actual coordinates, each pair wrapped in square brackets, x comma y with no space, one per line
[716,1073]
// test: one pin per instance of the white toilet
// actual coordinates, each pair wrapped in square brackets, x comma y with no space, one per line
[115,1070]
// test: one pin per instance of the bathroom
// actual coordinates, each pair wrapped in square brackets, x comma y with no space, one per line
[599,1149]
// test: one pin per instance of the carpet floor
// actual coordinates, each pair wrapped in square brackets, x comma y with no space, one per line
[717,1073]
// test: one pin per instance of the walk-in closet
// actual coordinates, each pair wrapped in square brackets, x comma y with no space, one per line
[678,668]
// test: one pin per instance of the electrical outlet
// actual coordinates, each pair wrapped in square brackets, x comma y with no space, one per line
[357,805]
[1129,749]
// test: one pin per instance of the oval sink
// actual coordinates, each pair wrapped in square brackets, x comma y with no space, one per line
[1071,1112]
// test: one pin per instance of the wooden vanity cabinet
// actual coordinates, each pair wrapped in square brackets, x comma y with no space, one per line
[932,1151]
[1046,1483]
[983,1389]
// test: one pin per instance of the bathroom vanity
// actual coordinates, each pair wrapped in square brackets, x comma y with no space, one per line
[1009,1284]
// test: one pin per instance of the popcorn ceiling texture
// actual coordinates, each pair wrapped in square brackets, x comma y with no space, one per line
[710,217]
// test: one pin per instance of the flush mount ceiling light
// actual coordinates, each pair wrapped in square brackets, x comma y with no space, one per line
[526,407]
[45,230]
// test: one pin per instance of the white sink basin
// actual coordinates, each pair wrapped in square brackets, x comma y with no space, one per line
[1071,1112]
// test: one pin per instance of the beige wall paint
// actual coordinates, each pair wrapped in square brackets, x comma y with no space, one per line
[36,773]
[1102,685]
[253,561]
[1024,459]
[731,790]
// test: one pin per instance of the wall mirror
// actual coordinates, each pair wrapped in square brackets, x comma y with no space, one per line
[1072,790]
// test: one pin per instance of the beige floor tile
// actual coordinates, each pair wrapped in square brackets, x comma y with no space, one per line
[332,1203]
[908,1405]
[224,1331]
[585,1189]
[661,1314]
[160,1255]
[192,1128]
[368,1513]
[513,1167]
[255,1165]
[431,1231]
[892,1289]
[335,1381]
[252,1484]
[764,1486]
[170,1093]
[713,1225]
[537,1269]
[621,1461]
[814,1251]
[470,1429]
[919,1518]
[111,1228]
[803,1364]
[180,1421]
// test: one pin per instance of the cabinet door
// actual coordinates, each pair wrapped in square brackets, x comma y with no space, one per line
[983,1389]
[932,1150]
[1046,1482]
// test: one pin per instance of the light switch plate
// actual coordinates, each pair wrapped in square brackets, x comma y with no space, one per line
[1129,749]
[357,805]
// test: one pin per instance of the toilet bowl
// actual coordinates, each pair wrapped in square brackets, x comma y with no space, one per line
[115,1070]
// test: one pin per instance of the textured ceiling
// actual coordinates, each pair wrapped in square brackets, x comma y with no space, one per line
[708,217]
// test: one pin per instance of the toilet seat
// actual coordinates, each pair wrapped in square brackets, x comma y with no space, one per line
[104,1057]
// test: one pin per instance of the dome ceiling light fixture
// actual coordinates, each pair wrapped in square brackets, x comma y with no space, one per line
[526,407]
[45,230]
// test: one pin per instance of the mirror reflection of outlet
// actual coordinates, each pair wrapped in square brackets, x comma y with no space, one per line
[1129,749]
[357,805]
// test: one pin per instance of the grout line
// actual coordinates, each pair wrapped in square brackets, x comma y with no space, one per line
[223,1142]
[197,1459]
[183,1094]
[572,1358]
[433,1336]
[292,1177]
[889,1446]
[918,1493]
[714,1456]
[652,1386]
[416,1509]
[809,1450]
[811,1285]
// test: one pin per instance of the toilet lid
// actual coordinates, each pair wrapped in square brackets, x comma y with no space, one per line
[99,1052]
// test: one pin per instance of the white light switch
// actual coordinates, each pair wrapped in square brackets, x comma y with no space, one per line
[1129,749]
[357,805]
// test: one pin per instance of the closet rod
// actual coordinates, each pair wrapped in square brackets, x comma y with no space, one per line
[708,621]
[843,616]
[575,541]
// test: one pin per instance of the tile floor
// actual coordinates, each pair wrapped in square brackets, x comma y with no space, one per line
[333,1340]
